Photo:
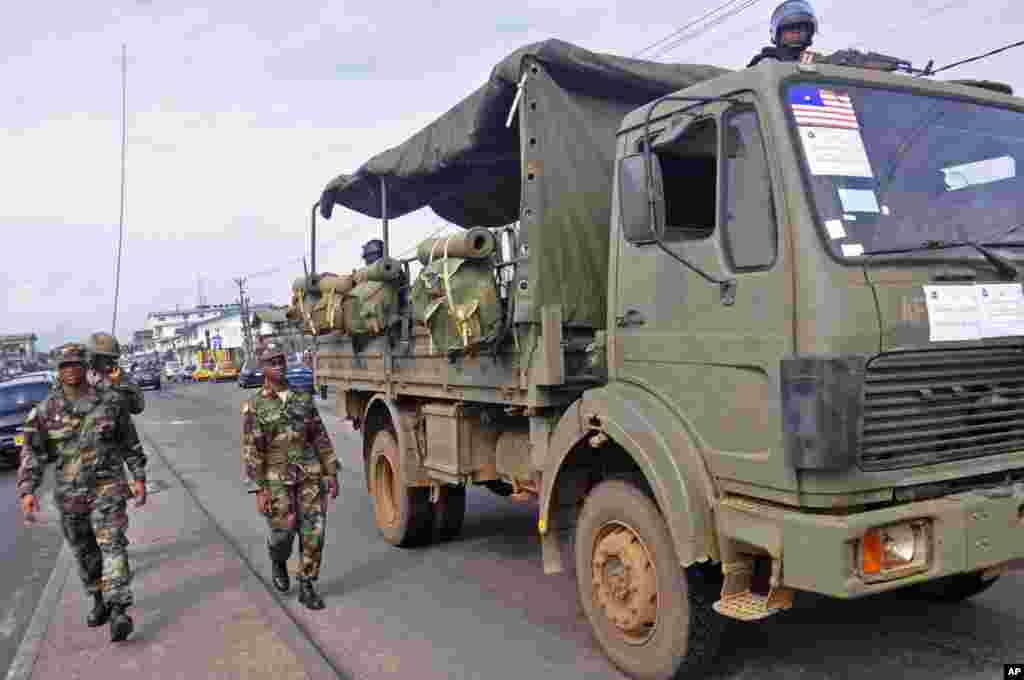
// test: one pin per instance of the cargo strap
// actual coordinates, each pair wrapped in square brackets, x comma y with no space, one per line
[306,311]
[462,314]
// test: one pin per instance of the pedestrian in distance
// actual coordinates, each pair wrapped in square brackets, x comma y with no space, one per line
[288,456]
[104,351]
[792,29]
[90,432]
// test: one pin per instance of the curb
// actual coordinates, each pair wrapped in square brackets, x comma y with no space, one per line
[281,621]
[28,651]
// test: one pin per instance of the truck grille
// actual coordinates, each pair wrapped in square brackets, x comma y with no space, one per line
[941,405]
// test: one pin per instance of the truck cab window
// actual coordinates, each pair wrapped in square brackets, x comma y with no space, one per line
[689,170]
[748,214]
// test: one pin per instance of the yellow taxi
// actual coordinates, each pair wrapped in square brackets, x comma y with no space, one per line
[225,371]
[203,372]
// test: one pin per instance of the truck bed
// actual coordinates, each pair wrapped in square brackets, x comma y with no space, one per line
[409,367]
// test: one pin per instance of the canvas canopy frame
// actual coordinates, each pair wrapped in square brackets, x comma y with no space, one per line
[552,172]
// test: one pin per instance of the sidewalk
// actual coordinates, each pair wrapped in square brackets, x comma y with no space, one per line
[199,611]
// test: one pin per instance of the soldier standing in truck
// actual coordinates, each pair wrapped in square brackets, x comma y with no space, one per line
[792,30]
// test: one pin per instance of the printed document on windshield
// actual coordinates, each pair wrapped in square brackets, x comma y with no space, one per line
[832,151]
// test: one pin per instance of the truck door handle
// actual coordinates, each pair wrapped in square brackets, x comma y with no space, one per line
[632,317]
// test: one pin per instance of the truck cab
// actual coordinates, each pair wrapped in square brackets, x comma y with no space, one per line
[816,278]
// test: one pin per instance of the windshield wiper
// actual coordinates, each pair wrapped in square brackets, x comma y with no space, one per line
[1002,265]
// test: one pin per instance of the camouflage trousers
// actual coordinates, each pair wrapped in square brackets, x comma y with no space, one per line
[298,509]
[98,541]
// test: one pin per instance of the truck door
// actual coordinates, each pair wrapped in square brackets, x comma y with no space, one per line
[709,351]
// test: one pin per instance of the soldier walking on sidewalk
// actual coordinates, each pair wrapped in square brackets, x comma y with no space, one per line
[289,457]
[89,430]
[104,351]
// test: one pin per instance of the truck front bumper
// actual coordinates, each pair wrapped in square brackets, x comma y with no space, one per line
[969,531]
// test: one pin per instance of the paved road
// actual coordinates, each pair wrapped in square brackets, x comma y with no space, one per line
[481,607]
[29,554]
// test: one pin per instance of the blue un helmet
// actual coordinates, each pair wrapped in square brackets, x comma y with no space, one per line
[373,250]
[794,14]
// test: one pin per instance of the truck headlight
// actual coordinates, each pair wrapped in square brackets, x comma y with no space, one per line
[821,408]
[894,550]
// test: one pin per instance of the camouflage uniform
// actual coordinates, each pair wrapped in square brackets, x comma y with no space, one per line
[105,349]
[93,438]
[287,451]
[131,394]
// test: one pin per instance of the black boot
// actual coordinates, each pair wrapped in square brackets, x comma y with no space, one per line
[100,612]
[308,595]
[280,576]
[121,625]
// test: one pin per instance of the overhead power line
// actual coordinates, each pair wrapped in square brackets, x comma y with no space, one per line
[978,57]
[684,27]
[696,33]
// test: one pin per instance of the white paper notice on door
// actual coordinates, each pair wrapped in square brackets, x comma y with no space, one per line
[954,312]
[1002,309]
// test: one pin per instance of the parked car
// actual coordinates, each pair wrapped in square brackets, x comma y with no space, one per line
[18,397]
[251,375]
[300,376]
[172,370]
[225,371]
[146,375]
[203,372]
[51,376]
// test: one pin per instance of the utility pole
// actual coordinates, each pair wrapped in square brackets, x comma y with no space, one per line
[244,311]
[124,144]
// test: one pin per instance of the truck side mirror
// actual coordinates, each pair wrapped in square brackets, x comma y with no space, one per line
[641,201]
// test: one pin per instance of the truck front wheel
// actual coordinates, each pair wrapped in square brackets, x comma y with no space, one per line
[404,514]
[652,617]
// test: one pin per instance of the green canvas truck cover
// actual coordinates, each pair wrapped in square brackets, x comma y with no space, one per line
[552,172]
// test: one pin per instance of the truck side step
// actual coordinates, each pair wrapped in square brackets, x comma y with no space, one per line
[738,599]
[748,606]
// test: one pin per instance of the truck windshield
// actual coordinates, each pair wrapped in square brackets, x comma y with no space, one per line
[892,170]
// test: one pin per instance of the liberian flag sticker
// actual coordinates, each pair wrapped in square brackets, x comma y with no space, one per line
[822,108]
[829,132]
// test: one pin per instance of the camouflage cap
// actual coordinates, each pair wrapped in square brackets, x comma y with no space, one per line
[104,345]
[268,351]
[72,353]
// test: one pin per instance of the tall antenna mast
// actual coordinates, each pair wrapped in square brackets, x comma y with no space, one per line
[124,144]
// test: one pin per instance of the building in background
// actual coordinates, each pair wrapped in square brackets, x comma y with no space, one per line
[217,338]
[23,344]
[142,341]
[271,324]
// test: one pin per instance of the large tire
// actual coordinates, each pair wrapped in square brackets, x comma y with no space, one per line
[404,514]
[953,589]
[652,617]
[449,512]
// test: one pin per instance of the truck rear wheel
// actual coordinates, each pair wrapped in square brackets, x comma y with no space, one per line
[652,617]
[404,514]
[449,511]
[953,589]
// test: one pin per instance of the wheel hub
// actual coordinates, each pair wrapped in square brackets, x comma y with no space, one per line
[625,584]
[387,510]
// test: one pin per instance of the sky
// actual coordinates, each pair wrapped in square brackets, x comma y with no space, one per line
[240,113]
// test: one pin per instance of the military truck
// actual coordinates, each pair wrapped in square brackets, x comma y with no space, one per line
[739,334]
